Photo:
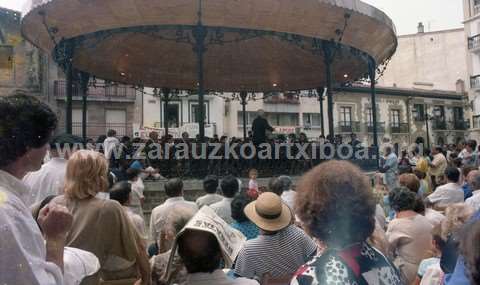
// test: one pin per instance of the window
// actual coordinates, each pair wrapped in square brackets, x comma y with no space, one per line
[311,120]
[250,117]
[77,115]
[458,114]
[283,119]
[369,117]
[346,116]
[419,111]
[274,119]
[6,57]
[7,74]
[441,111]
[476,7]
[173,115]
[395,118]
[194,109]
[116,120]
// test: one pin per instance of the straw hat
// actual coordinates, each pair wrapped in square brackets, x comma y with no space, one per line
[269,213]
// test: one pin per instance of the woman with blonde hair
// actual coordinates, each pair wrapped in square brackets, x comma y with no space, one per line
[101,226]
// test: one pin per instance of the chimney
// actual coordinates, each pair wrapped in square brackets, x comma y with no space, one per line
[421,28]
[460,86]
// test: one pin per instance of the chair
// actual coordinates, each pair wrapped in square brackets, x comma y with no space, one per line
[267,279]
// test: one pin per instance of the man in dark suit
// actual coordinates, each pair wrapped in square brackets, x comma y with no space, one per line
[260,126]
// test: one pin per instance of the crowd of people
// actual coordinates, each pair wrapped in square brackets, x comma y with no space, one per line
[79,219]
[292,154]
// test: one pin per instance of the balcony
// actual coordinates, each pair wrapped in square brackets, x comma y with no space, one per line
[475,82]
[459,125]
[401,128]
[348,127]
[113,92]
[474,42]
[96,130]
[380,127]
[438,125]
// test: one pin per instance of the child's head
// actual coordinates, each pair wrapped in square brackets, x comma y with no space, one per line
[132,174]
[253,173]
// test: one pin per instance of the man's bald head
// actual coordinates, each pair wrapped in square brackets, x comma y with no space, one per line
[473,179]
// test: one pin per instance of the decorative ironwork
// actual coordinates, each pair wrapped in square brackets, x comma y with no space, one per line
[401,128]
[348,127]
[380,127]
[439,125]
[459,125]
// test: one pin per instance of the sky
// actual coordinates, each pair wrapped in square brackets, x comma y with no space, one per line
[406,14]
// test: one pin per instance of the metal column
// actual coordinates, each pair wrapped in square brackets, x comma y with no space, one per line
[69,92]
[84,78]
[243,98]
[328,54]
[427,127]
[372,74]
[320,98]
[166,99]
[200,33]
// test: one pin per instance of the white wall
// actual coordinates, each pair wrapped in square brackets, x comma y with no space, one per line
[437,59]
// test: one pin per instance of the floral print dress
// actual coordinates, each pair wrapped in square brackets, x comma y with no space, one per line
[359,264]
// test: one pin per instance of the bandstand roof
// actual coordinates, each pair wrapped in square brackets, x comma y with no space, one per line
[252,45]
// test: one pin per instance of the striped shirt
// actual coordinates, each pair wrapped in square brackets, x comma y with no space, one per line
[280,254]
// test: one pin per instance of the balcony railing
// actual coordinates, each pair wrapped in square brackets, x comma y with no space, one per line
[401,128]
[474,42]
[475,82]
[459,125]
[96,130]
[439,125]
[380,127]
[348,127]
[106,91]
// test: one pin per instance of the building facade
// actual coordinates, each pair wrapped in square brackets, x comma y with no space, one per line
[472,35]
[428,60]
[109,106]
[401,115]
[22,66]
[182,113]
